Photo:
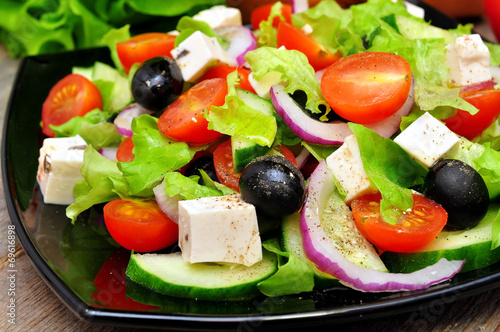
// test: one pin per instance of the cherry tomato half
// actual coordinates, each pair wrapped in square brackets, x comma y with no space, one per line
[367,87]
[139,225]
[413,231]
[143,47]
[125,151]
[184,120]
[261,13]
[224,165]
[74,95]
[487,101]
[294,38]
[221,71]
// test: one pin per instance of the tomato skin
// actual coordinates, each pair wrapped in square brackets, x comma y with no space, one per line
[294,38]
[139,225]
[221,71]
[491,9]
[487,101]
[224,165]
[125,150]
[144,46]
[184,120]
[413,231]
[367,87]
[261,13]
[74,95]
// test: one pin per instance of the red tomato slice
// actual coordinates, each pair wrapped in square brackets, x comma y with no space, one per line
[414,229]
[294,38]
[221,71]
[262,12]
[139,225]
[367,87]
[487,101]
[74,95]
[184,120]
[111,284]
[224,165]
[143,47]
[125,150]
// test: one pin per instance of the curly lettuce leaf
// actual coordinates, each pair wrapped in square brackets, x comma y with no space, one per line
[236,118]
[154,155]
[296,73]
[390,169]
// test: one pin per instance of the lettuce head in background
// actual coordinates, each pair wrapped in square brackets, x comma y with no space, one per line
[31,27]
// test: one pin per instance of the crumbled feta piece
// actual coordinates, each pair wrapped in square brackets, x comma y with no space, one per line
[469,60]
[414,10]
[196,54]
[218,16]
[263,86]
[427,140]
[307,29]
[347,168]
[59,167]
[219,229]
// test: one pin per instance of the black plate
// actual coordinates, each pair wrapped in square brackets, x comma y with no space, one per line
[70,258]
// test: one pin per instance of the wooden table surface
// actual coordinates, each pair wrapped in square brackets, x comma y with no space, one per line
[39,309]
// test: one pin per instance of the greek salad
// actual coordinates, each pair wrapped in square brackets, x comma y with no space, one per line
[314,147]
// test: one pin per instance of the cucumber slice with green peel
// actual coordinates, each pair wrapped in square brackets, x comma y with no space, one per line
[473,245]
[338,224]
[291,242]
[169,274]
[244,149]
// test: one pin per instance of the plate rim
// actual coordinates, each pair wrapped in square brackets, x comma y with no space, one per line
[92,314]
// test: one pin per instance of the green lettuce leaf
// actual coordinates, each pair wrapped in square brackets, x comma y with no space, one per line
[236,118]
[390,169]
[102,183]
[296,73]
[154,155]
[187,187]
[293,277]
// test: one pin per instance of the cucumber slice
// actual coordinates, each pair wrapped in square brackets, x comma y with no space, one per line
[244,150]
[474,245]
[169,274]
[338,224]
[291,242]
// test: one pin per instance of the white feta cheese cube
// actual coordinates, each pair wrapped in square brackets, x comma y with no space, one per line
[218,16]
[347,168]
[219,229]
[263,86]
[469,60]
[196,54]
[59,167]
[427,140]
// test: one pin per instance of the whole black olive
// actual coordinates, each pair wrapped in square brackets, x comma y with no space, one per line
[274,185]
[460,190]
[157,83]
[205,163]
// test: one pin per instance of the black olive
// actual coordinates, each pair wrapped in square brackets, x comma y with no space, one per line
[157,83]
[205,163]
[274,185]
[460,190]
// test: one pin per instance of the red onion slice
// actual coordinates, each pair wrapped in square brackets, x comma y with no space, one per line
[478,86]
[310,130]
[123,121]
[329,260]
[169,205]
[108,152]
[241,40]
[299,6]
[330,133]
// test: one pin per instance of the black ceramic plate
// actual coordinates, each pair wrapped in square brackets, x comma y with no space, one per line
[86,270]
